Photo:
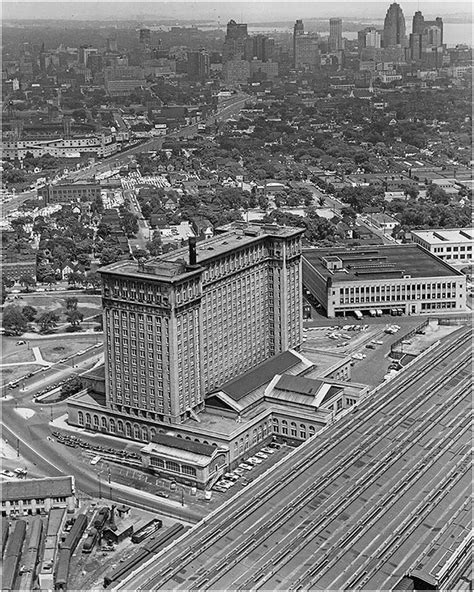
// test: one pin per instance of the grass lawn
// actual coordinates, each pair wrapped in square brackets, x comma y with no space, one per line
[16,372]
[20,354]
[62,348]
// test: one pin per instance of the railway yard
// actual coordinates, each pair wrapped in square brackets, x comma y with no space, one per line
[380,497]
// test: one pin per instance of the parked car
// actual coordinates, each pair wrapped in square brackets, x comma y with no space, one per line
[245,466]
[268,450]
[261,455]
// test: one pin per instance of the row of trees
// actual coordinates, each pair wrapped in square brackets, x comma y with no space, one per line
[16,318]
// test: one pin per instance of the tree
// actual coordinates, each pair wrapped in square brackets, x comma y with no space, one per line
[321,200]
[47,321]
[130,223]
[155,246]
[14,322]
[27,281]
[71,387]
[75,317]
[3,292]
[71,303]
[29,312]
[74,278]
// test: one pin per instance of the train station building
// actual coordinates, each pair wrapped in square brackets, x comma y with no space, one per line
[407,277]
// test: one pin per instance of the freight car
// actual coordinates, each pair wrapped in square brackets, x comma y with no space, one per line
[67,549]
[62,570]
[30,558]
[75,533]
[5,532]
[147,530]
[13,555]
[151,547]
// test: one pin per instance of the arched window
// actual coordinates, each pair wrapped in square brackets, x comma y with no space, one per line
[157,462]
[265,429]
[293,429]
[120,426]
[128,430]
[206,442]
[276,425]
[80,418]
[136,432]
[312,430]
[241,445]
[188,438]
[196,439]
[179,436]
[88,419]
[236,448]
[104,422]
[172,466]
[254,437]
[95,421]
[259,433]
[145,433]
[187,470]
[246,441]
[152,432]
[112,425]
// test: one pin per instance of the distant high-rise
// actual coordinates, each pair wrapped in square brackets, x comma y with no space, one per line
[112,44]
[235,41]
[335,34]
[394,30]
[306,53]
[369,37]
[198,64]
[426,38]
[145,36]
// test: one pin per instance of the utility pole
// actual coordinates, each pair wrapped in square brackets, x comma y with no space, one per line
[110,485]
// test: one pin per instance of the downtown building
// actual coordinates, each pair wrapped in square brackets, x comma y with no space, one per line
[198,343]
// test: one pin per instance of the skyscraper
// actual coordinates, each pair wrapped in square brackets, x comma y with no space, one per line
[335,34]
[182,324]
[394,31]
[369,37]
[235,41]
[306,53]
[198,64]
[426,39]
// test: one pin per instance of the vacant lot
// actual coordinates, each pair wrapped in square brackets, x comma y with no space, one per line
[55,350]
[12,373]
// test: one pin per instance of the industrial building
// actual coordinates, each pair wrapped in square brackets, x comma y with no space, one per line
[450,244]
[363,279]
[33,496]
[68,193]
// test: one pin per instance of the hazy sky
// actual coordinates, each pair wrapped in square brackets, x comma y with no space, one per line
[221,10]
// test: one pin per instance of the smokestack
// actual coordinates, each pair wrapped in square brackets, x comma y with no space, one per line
[192,250]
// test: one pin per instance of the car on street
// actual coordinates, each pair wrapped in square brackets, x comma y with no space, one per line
[268,450]
[261,455]
[21,342]
[162,494]
[370,346]
[254,460]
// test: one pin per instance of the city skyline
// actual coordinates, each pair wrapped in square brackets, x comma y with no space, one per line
[266,11]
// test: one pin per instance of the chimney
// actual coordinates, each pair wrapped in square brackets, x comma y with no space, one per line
[192,250]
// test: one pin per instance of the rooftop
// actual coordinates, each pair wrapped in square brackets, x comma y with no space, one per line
[186,445]
[439,236]
[378,263]
[38,488]
[175,263]
[260,375]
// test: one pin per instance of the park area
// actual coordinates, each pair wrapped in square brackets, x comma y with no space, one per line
[51,313]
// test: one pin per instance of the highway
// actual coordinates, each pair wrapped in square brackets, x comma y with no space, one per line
[352,508]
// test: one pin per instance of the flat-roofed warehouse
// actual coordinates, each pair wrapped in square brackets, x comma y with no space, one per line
[407,277]
[450,244]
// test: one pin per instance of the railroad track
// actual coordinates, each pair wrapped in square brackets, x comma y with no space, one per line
[207,578]
[315,527]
